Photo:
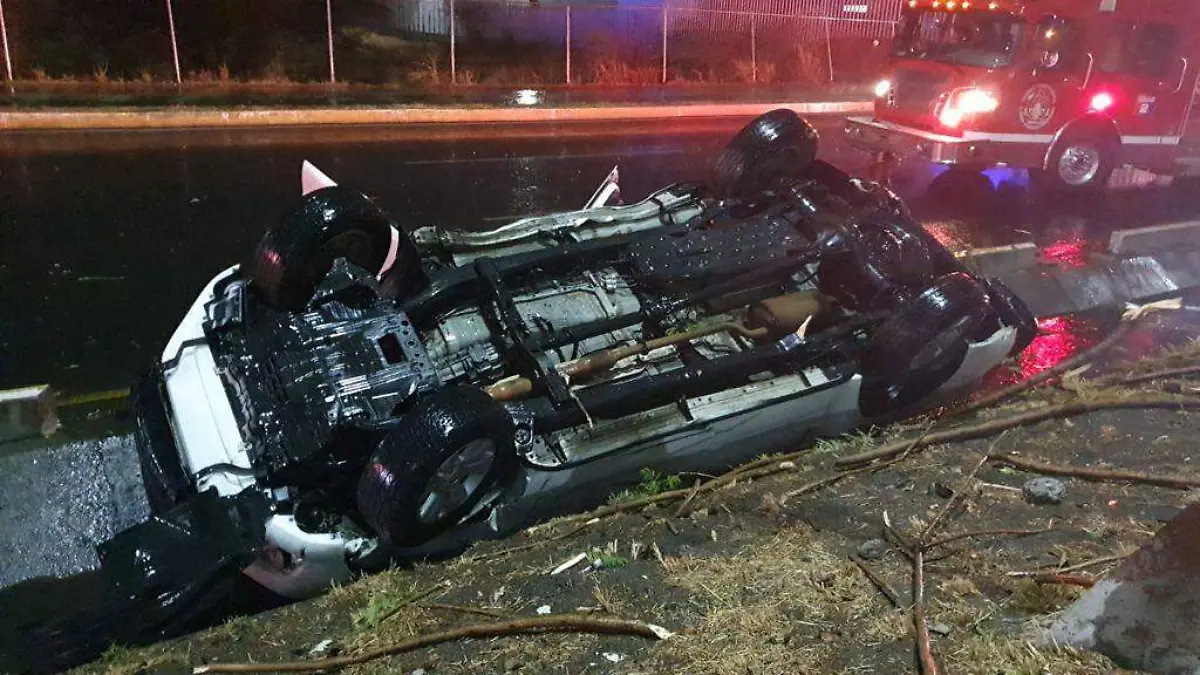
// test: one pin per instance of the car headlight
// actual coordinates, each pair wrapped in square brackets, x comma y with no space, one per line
[882,88]
[967,102]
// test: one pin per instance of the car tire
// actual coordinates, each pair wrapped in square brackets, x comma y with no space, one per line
[330,223]
[1078,163]
[776,144]
[451,429]
[1011,311]
[921,345]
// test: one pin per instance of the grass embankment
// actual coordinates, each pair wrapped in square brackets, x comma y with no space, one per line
[762,576]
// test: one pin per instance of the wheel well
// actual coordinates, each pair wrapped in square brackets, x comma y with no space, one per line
[1091,125]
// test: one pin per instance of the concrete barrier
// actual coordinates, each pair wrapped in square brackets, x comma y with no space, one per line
[190,118]
[26,412]
[1169,237]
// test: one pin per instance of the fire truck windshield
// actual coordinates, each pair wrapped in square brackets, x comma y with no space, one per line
[985,39]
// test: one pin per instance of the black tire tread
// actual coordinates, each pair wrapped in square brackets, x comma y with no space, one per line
[276,269]
[766,136]
[887,361]
[414,449]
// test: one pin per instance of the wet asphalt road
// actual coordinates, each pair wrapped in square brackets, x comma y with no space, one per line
[105,238]
[57,504]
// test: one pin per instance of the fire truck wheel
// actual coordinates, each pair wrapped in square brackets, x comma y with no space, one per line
[1077,163]
[962,191]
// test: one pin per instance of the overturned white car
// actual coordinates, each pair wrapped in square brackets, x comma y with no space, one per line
[357,392]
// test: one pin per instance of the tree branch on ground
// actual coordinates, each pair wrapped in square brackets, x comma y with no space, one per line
[1096,475]
[991,427]
[567,623]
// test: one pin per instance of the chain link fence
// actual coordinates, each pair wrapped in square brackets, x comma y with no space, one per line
[455,42]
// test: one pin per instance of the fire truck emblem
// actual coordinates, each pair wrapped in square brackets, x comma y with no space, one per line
[1037,106]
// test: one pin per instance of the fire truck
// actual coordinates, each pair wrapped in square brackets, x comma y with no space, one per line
[1068,89]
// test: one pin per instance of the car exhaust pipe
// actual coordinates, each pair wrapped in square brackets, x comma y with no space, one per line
[512,388]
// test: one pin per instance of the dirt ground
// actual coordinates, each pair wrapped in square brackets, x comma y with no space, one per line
[752,583]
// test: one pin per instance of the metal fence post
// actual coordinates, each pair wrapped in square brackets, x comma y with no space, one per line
[829,46]
[664,45]
[568,44]
[453,56]
[329,30]
[174,43]
[4,35]
[753,50]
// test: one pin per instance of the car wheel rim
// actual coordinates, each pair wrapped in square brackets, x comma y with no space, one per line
[354,246]
[1079,164]
[456,480]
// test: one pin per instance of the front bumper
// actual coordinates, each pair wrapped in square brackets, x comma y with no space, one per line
[876,136]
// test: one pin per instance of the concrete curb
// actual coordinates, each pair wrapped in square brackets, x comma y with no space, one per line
[1000,259]
[1141,264]
[1172,236]
[197,118]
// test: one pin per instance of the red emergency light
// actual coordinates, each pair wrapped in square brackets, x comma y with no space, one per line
[954,5]
[1101,102]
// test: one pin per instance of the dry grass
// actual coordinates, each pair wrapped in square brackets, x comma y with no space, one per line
[776,607]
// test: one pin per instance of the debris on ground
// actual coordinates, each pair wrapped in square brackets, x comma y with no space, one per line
[872,549]
[1044,491]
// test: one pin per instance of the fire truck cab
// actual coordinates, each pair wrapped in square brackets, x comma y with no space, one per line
[1069,89]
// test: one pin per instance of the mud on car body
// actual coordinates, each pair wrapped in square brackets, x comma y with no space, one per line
[358,391]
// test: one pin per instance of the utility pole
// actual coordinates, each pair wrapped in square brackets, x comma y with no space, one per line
[4,35]
[329,26]
[174,46]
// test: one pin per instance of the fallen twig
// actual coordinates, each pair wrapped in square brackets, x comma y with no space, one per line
[830,480]
[757,469]
[1071,568]
[1065,579]
[525,547]
[985,429]
[1130,319]
[1095,475]
[1157,375]
[929,664]
[883,586]
[566,623]
[983,533]
[923,539]
[412,599]
[682,510]
[893,535]
[466,610]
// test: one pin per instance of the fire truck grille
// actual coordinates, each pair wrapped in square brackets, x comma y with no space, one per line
[916,91]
